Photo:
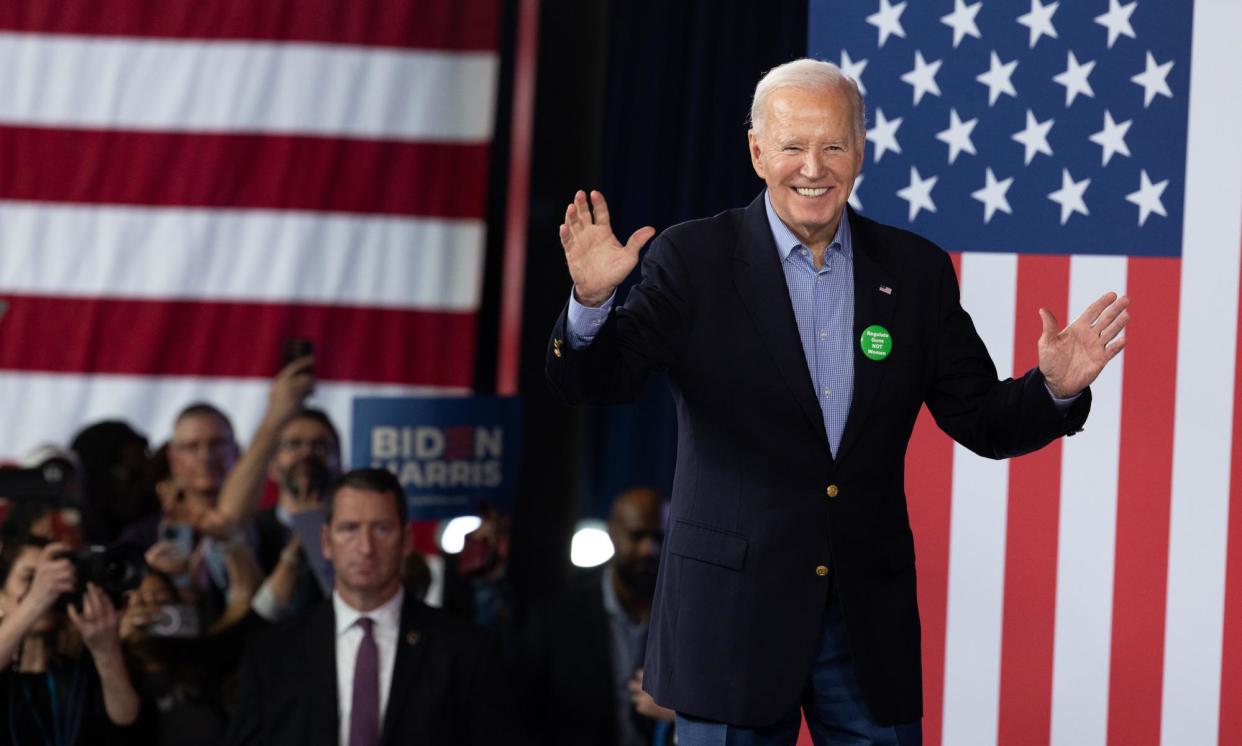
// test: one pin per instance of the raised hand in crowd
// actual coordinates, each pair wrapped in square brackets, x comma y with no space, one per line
[168,558]
[278,589]
[142,607]
[243,487]
[98,622]
[597,261]
[178,510]
[175,560]
[243,580]
[53,576]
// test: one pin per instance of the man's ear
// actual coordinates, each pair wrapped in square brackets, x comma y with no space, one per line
[756,153]
[325,545]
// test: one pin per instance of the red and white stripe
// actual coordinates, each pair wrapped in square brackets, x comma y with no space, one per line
[181,191]
[1091,593]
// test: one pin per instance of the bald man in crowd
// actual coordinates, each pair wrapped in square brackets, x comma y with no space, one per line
[582,652]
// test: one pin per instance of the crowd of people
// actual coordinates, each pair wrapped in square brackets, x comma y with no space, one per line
[154,596]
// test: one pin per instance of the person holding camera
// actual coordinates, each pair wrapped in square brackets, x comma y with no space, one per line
[181,669]
[48,694]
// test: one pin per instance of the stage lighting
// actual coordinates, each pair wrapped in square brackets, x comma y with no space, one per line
[590,546]
[453,533]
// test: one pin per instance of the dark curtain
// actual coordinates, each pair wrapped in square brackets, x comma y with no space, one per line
[679,78]
[645,100]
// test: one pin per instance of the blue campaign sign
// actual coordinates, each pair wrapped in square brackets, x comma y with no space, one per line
[450,453]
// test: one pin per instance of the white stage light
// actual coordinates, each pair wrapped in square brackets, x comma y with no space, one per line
[591,546]
[453,533]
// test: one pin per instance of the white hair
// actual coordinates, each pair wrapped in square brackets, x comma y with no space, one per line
[806,73]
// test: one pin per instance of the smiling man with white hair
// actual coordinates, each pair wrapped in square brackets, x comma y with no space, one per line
[800,339]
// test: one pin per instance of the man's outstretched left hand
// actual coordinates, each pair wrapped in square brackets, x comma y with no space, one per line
[1071,358]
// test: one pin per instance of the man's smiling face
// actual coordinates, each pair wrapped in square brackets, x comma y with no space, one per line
[806,147]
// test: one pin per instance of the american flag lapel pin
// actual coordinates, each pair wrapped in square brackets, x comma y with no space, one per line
[886,290]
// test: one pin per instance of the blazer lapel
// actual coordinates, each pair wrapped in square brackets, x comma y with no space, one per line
[409,660]
[874,300]
[760,281]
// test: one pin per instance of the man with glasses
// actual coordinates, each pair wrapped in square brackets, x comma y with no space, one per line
[201,453]
[206,557]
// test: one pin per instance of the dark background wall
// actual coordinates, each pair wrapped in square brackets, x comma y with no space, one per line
[646,100]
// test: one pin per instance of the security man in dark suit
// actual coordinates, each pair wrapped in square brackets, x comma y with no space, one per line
[800,341]
[372,665]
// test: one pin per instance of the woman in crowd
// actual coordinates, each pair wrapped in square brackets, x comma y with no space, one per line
[179,668]
[51,693]
[185,638]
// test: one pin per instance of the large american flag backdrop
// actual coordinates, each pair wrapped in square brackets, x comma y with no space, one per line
[1090,593]
[186,184]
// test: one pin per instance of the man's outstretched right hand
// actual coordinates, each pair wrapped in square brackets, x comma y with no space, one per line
[598,263]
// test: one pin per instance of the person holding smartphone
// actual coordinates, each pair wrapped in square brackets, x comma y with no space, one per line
[298,449]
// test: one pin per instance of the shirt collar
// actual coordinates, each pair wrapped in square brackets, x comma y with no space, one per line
[786,241]
[387,616]
[612,604]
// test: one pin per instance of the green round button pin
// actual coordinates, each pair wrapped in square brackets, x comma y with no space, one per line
[876,342]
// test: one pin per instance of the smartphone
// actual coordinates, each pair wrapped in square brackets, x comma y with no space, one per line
[175,620]
[294,348]
[180,534]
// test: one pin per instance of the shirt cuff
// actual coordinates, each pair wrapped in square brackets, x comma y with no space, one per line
[583,322]
[264,603]
[1062,405]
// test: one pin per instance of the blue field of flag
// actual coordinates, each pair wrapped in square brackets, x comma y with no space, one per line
[1020,125]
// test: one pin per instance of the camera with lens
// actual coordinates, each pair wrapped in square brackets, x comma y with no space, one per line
[115,569]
